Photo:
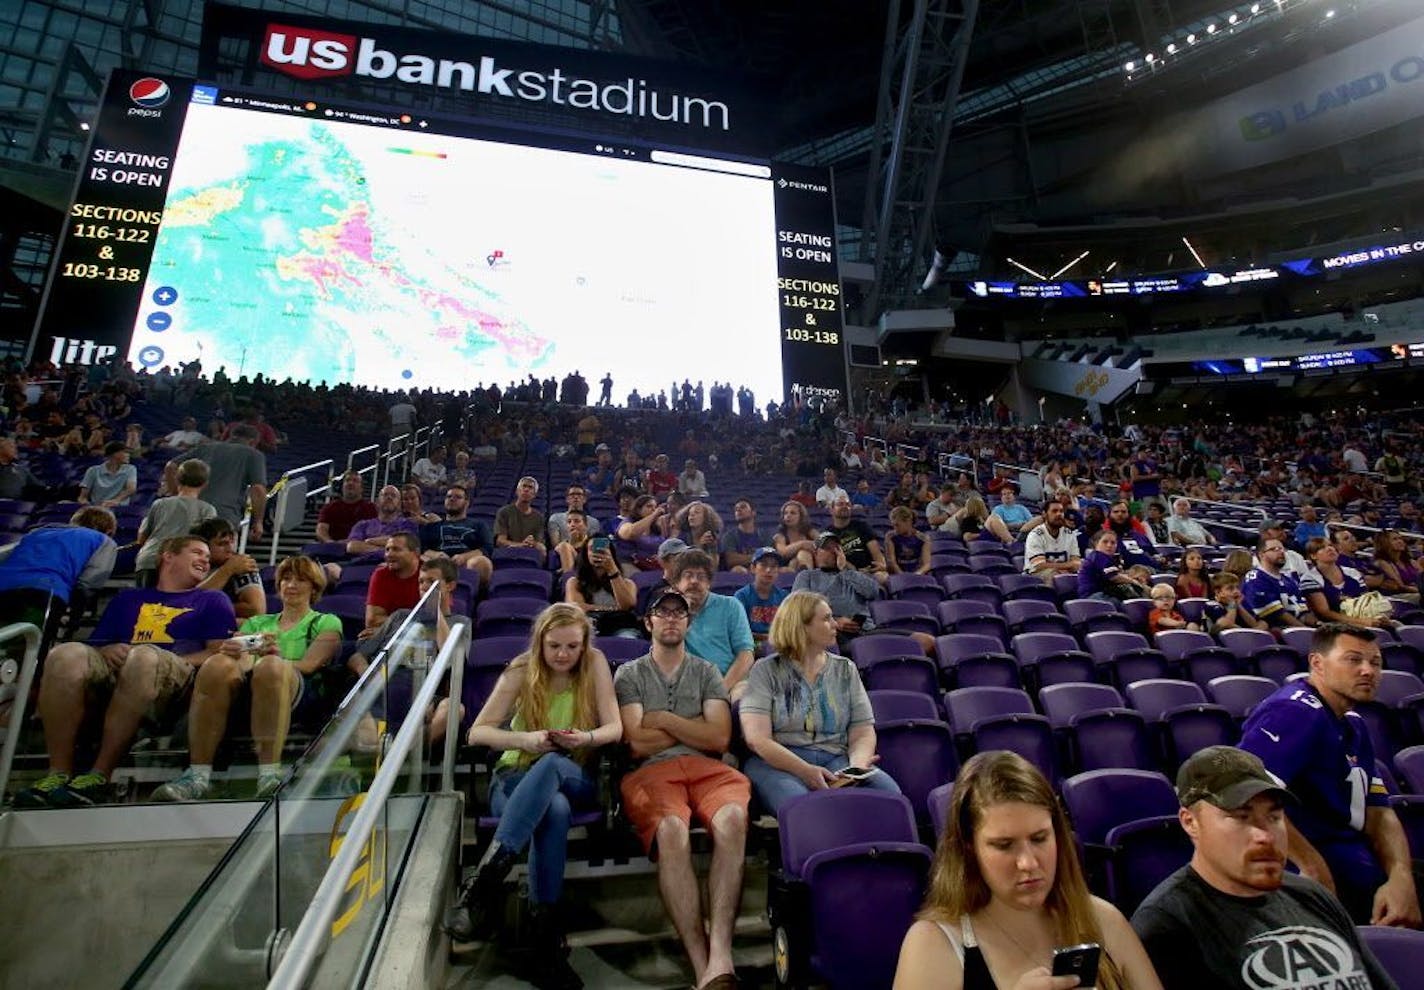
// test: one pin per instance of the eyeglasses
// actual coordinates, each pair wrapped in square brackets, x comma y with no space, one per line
[670,614]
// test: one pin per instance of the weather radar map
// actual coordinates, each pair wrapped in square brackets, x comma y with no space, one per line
[324,250]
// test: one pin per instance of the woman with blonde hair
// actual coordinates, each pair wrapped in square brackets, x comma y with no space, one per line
[557,699]
[795,540]
[1006,890]
[805,713]
[972,521]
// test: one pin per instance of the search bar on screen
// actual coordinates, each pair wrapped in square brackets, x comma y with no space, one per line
[711,164]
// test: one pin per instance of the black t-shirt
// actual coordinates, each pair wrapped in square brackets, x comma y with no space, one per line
[1295,938]
[855,541]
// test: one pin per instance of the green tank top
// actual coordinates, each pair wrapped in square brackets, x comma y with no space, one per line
[561,716]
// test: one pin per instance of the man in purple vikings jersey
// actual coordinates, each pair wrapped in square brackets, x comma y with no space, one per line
[1343,833]
[1272,595]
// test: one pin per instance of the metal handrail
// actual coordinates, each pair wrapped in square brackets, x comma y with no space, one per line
[1233,506]
[31,634]
[283,490]
[315,926]
[947,465]
[1373,529]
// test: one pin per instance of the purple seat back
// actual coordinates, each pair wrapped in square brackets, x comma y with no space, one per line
[1396,685]
[867,650]
[1176,643]
[1099,800]
[1033,647]
[1245,642]
[1239,693]
[1399,950]
[898,705]
[938,806]
[1060,702]
[1153,698]
[965,706]
[1079,610]
[1109,643]
[920,756]
[1112,737]
[810,823]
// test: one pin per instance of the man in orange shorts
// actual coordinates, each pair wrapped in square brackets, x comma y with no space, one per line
[678,721]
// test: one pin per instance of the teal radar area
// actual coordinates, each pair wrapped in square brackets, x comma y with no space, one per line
[301,248]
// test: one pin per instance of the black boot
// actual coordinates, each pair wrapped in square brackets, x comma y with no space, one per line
[549,967]
[477,904]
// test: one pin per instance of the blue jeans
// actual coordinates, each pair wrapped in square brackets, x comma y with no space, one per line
[537,804]
[775,787]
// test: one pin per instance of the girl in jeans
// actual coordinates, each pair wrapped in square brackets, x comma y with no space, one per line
[805,714]
[559,693]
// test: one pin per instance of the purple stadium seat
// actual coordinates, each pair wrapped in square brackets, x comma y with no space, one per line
[1193,727]
[1111,737]
[1136,610]
[727,582]
[322,552]
[1245,642]
[903,616]
[1239,693]
[965,707]
[1032,615]
[1276,662]
[350,609]
[1397,685]
[1154,698]
[1413,635]
[620,649]
[507,616]
[1298,638]
[1126,655]
[1145,852]
[1065,586]
[991,565]
[919,755]
[975,660]
[955,610]
[897,705]
[1027,735]
[915,588]
[1177,643]
[521,582]
[1402,656]
[1410,810]
[1025,587]
[1095,615]
[1192,609]
[517,558]
[972,586]
[1409,763]
[938,806]
[1060,702]
[1399,950]
[1126,823]
[1052,658]
[868,650]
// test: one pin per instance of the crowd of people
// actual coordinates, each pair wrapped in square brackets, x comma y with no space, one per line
[194,636]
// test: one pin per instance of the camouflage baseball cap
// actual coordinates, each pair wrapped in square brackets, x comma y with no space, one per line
[1226,777]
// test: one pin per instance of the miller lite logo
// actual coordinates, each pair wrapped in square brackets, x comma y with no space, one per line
[149,93]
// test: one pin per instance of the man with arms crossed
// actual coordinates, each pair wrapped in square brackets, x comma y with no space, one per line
[678,722]
[1343,833]
[1233,917]
[519,524]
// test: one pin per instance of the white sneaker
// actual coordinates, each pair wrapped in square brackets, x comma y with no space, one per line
[187,786]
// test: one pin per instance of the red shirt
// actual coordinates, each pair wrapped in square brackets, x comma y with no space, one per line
[386,591]
[341,515]
[805,499]
[661,482]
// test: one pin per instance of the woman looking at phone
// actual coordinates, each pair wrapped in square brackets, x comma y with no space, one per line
[1006,892]
[599,587]
[559,693]
[805,713]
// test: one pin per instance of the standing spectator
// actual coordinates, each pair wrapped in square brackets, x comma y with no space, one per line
[675,713]
[16,480]
[761,598]
[237,476]
[175,515]
[519,524]
[1343,833]
[112,482]
[402,418]
[1233,914]
[337,517]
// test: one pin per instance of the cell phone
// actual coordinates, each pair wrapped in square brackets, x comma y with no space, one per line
[858,774]
[252,641]
[601,544]
[1080,961]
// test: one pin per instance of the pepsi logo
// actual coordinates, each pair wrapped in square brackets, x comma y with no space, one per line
[149,92]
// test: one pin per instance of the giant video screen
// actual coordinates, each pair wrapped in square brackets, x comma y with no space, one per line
[326,243]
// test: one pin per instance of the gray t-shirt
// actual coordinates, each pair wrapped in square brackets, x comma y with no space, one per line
[1295,938]
[559,527]
[232,468]
[639,682]
[167,517]
[849,592]
[820,717]
[102,484]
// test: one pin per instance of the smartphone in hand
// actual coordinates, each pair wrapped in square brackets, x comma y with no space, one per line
[1080,961]
[854,775]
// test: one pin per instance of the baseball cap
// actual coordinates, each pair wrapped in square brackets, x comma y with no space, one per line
[1272,524]
[761,553]
[602,446]
[671,548]
[1226,777]
[667,595]
[827,536]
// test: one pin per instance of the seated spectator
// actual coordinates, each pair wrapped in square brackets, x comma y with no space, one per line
[395,584]
[1214,921]
[850,457]
[975,520]
[802,496]
[1006,877]
[1052,547]
[805,714]
[575,498]
[1308,528]
[1294,565]
[903,493]
[1133,542]
[762,597]
[122,672]
[858,541]
[741,541]
[1399,576]
[677,720]
[1238,562]
[637,537]
[1014,515]
[413,505]
[464,540]
[1102,575]
[831,490]
[519,524]
[1193,581]
[1164,614]
[795,539]
[369,536]
[461,473]
[1332,591]
[51,564]
[659,479]
[576,525]
[1184,530]
[183,439]
[1225,610]
[909,548]
[864,499]
[600,477]
[698,525]
[557,699]
[1273,595]
[630,473]
[1342,831]
[599,587]
[1157,523]
[175,515]
[133,440]
[337,518]
[235,574]
[112,482]
[939,511]
[429,471]
[280,679]
[692,483]
[848,590]
[718,631]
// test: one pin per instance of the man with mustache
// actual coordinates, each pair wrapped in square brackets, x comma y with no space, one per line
[1233,917]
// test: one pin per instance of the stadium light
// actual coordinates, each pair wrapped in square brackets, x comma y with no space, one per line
[1211,29]
[1109,269]
[1191,39]
[1070,264]
[1038,275]
[1255,8]
[1232,19]
[1151,58]
[1172,48]
[1130,66]
[1193,251]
